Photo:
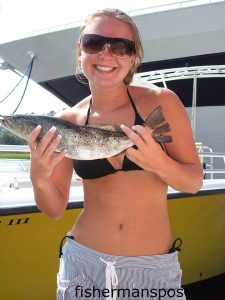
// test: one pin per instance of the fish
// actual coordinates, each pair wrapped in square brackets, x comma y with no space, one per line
[86,142]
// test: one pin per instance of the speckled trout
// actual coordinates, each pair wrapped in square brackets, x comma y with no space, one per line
[89,141]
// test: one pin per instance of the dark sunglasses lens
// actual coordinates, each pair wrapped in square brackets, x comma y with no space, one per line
[92,43]
[121,48]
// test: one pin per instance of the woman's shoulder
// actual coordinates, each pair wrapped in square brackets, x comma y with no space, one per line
[144,89]
[148,96]
[77,113]
[171,104]
[173,110]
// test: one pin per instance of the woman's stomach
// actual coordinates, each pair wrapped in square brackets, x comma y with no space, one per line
[127,218]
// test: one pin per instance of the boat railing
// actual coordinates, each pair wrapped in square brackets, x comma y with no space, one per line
[189,72]
[193,72]
[205,153]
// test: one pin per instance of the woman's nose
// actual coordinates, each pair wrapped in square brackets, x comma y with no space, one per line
[106,50]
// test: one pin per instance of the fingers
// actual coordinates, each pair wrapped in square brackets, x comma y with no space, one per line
[138,134]
[145,134]
[46,140]
[132,153]
[133,136]
[57,158]
[52,146]
[47,145]
[32,141]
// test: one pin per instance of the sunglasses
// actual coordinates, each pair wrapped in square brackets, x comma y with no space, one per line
[93,44]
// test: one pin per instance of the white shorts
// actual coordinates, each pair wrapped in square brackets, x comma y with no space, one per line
[88,274]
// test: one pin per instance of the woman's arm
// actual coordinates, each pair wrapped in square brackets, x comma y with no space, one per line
[50,174]
[181,168]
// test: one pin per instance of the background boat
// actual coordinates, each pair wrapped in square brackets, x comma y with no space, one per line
[30,240]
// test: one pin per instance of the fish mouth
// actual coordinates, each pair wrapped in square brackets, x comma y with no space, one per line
[4,122]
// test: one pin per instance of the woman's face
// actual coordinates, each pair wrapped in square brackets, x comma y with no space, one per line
[104,68]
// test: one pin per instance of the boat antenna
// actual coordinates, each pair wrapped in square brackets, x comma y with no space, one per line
[28,70]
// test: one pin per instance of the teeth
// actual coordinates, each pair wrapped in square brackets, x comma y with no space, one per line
[104,68]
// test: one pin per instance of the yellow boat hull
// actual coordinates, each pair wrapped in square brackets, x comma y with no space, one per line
[30,245]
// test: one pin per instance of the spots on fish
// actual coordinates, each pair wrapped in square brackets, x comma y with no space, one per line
[84,142]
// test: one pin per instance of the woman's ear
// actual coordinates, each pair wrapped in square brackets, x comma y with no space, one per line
[78,49]
[133,59]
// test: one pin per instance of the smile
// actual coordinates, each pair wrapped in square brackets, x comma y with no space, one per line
[104,68]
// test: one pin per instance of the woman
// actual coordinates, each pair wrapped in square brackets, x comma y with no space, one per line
[121,244]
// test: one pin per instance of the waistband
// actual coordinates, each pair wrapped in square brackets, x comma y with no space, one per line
[89,255]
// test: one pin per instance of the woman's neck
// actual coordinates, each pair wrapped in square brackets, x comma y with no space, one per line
[110,98]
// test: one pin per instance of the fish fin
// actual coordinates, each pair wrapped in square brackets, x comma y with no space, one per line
[156,122]
[107,127]
[162,138]
[163,128]
[155,118]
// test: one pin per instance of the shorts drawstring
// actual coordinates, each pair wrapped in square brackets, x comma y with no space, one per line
[110,278]
[61,244]
[174,247]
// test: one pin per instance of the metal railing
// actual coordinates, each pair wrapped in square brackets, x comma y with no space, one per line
[194,73]
[205,152]
[211,71]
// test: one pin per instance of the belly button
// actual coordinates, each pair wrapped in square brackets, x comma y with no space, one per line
[120,226]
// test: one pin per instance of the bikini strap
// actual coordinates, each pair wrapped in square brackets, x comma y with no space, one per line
[138,118]
[88,112]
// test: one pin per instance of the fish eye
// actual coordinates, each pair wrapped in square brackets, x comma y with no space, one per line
[13,120]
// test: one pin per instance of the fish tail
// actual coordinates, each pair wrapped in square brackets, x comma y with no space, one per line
[162,138]
[156,122]
[155,118]
[163,128]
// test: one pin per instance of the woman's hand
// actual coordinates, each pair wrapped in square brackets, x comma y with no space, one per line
[42,154]
[149,154]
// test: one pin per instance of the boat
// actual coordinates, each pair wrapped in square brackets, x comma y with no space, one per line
[183,33]
[192,66]
[29,253]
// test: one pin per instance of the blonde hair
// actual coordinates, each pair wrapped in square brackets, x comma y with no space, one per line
[120,15]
